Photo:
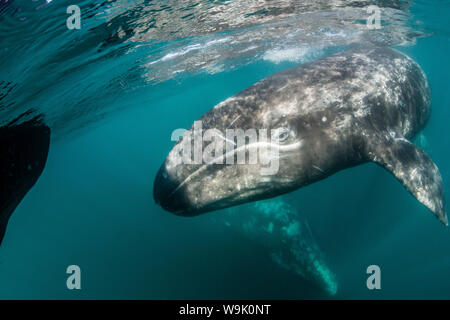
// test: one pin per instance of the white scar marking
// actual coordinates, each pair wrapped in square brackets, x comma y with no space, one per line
[232,122]
[318,168]
[286,85]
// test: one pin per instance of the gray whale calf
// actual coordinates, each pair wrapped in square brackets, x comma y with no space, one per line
[360,105]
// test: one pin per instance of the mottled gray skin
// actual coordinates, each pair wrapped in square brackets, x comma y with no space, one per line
[286,235]
[356,106]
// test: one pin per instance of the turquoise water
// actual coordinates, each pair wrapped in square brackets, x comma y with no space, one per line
[113,100]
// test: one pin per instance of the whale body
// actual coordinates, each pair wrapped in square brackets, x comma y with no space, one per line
[286,236]
[357,106]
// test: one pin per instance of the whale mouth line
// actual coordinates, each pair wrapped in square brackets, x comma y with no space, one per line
[203,167]
[225,202]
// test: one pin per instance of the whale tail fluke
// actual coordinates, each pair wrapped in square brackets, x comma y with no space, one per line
[24,148]
[415,170]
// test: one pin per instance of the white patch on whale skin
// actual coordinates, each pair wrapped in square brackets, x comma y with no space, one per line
[281,110]
[298,54]
[225,102]
[343,121]
[362,112]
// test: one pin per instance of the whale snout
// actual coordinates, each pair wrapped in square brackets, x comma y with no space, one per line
[166,194]
[186,188]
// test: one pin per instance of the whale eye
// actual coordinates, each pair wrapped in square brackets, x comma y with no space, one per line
[283,134]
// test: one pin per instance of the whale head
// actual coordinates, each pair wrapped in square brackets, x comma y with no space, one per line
[236,153]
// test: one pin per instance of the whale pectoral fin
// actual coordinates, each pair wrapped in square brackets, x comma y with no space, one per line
[416,171]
